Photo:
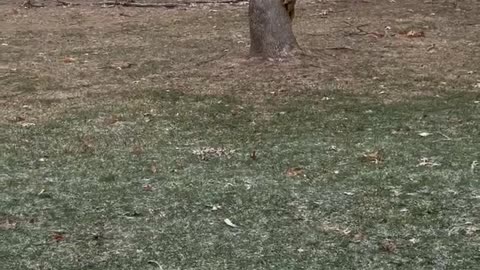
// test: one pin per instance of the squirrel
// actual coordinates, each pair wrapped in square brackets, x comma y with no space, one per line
[290,7]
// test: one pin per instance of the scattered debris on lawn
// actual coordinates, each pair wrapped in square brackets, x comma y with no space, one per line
[389,246]
[295,171]
[473,166]
[148,187]
[7,224]
[375,157]
[414,34]
[427,162]
[424,134]
[253,155]
[230,223]
[206,153]
[58,236]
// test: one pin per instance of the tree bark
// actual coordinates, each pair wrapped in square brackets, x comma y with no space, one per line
[271,34]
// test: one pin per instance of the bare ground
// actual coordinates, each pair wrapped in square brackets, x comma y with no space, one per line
[56,58]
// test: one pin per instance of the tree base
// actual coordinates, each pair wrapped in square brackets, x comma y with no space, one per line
[271,34]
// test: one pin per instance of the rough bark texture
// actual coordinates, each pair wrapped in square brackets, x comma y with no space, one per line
[271,32]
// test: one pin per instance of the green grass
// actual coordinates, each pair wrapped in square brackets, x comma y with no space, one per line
[83,176]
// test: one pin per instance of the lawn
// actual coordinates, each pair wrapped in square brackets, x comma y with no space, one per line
[136,138]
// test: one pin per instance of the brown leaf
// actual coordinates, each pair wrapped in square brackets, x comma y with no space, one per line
[253,155]
[359,237]
[415,34]
[295,171]
[88,144]
[7,224]
[376,156]
[58,236]
[389,246]
[148,187]
[68,60]
[137,150]
[112,119]
[153,167]
[17,119]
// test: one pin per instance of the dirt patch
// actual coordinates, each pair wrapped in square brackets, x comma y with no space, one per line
[54,58]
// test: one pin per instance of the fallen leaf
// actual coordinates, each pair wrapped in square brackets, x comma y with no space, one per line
[153,167]
[415,34]
[206,153]
[58,236]
[88,144]
[470,230]
[7,224]
[27,124]
[427,162]
[295,172]
[68,60]
[229,223]
[473,165]
[148,187]
[358,237]
[137,150]
[17,119]
[376,156]
[253,155]
[424,134]
[388,246]
[112,119]
[122,65]
[413,240]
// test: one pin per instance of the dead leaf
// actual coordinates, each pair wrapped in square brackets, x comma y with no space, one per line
[424,134]
[58,236]
[121,65]
[88,144]
[473,166]
[153,167]
[427,162]
[359,237]
[413,240]
[112,119]
[148,187]
[415,34]
[389,246]
[7,224]
[253,155]
[17,119]
[470,230]
[229,223]
[205,153]
[27,124]
[68,60]
[137,150]
[376,156]
[295,171]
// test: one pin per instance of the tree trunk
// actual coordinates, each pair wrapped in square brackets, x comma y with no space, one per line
[271,34]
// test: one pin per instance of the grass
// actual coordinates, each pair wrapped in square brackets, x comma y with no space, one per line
[365,158]
[84,177]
